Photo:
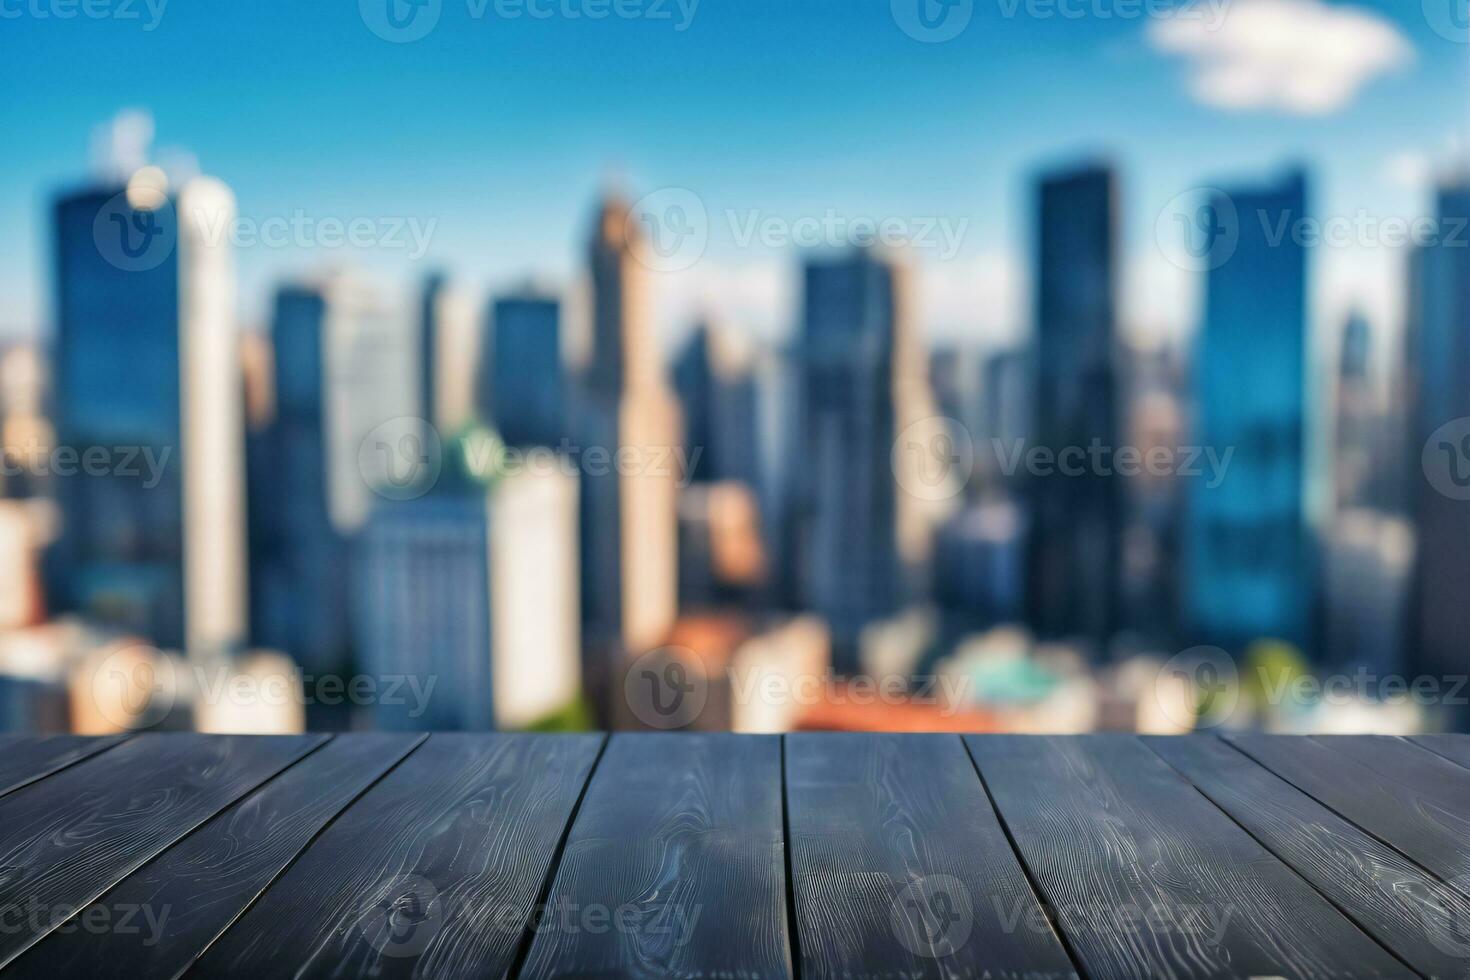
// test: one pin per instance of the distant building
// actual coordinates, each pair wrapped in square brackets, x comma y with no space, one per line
[471,591]
[343,369]
[1366,576]
[523,393]
[863,539]
[146,368]
[447,356]
[1440,366]
[718,393]
[1248,570]
[980,568]
[1076,519]
[1357,422]
[1006,397]
[627,427]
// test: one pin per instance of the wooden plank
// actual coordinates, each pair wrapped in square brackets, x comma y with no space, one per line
[675,866]
[161,917]
[1455,748]
[900,867]
[27,758]
[1406,796]
[68,838]
[434,872]
[1392,898]
[1148,878]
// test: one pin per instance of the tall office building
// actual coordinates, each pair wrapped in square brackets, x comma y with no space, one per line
[863,525]
[147,378]
[718,393]
[1072,590]
[343,369]
[447,356]
[471,591]
[1247,563]
[521,378]
[1440,365]
[1357,422]
[627,415]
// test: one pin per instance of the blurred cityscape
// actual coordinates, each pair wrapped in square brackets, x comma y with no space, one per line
[515,511]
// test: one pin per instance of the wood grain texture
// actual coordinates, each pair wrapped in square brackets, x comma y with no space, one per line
[27,758]
[900,867]
[1405,795]
[675,867]
[1397,902]
[1455,748]
[433,872]
[1148,879]
[161,917]
[68,838]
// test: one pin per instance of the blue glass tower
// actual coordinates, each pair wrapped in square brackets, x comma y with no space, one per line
[120,556]
[522,388]
[1073,571]
[1248,573]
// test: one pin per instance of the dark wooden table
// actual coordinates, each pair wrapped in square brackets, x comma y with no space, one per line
[742,857]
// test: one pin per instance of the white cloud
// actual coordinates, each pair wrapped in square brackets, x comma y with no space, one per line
[1303,57]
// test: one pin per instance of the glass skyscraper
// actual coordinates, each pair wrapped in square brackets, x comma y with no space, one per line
[1076,518]
[1247,566]
[147,367]
[521,379]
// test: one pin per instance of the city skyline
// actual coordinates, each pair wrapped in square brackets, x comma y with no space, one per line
[917,174]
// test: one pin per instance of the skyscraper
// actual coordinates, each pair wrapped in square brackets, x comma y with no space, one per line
[147,372]
[863,534]
[717,391]
[448,355]
[1357,421]
[1247,563]
[1076,519]
[522,389]
[343,368]
[1440,367]
[628,424]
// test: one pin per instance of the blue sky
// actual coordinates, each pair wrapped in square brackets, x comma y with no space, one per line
[502,129]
